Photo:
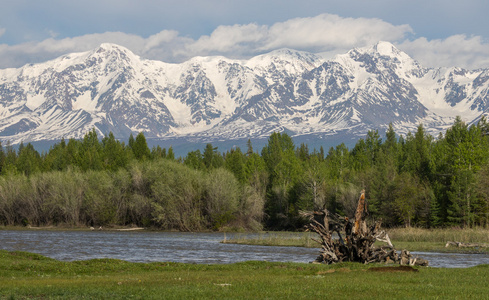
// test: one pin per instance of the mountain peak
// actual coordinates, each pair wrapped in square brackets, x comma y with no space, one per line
[110,47]
[114,53]
[386,49]
[381,48]
[292,60]
[382,53]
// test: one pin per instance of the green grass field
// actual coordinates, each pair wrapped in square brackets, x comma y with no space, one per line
[31,276]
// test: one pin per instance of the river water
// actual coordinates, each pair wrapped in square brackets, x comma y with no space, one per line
[201,248]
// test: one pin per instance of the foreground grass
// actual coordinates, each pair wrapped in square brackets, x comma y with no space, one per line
[413,239]
[25,275]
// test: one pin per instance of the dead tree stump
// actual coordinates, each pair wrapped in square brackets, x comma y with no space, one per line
[344,240]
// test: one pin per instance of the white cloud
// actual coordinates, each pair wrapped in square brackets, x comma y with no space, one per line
[229,39]
[457,50]
[18,55]
[2,31]
[325,33]
[317,34]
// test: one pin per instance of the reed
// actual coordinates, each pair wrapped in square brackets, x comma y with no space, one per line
[286,239]
[440,235]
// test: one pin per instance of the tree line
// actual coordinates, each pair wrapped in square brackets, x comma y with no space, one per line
[412,180]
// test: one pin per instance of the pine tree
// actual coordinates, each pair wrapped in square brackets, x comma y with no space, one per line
[130,142]
[91,152]
[321,153]
[303,152]
[171,154]
[285,171]
[194,160]
[29,160]
[211,158]
[113,153]
[249,150]
[140,148]
[360,157]
[10,158]
[435,219]
[466,153]
[157,152]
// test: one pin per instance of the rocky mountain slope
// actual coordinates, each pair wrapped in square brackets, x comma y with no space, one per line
[215,98]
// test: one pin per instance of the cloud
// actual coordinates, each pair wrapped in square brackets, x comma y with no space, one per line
[316,34]
[231,39]
[325,33]
[32,52]
[2,31]
[457,50]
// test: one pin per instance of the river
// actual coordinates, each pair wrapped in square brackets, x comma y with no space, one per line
[201,248]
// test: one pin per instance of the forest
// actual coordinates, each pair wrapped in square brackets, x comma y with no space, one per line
[413,180]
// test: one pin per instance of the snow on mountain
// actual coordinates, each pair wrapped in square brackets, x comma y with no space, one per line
[216,98]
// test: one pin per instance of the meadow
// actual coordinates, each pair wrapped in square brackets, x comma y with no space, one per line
[31,276]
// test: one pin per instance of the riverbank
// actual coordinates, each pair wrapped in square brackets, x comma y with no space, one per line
[77,228]
[27,275]
[413,239]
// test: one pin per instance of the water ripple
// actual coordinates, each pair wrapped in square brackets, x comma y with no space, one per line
[202,248]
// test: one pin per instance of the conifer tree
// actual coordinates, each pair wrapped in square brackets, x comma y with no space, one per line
[130,142]
[158,152]
[91,152]
[29,160]
[211,158]
[140,148]
[171,154]
[249,146]
[194,160]
[113,154]
[466,153]
[285,170]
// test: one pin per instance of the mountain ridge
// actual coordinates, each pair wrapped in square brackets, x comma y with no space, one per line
[216,98]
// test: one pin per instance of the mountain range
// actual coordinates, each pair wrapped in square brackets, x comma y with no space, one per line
[209,99]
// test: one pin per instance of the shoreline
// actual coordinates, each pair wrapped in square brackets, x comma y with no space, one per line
[74,228]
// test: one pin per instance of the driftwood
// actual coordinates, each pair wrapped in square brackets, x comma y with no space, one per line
[466,245]
[344,240]
[130,229]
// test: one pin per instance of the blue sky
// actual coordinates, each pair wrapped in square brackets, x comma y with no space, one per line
[435,32]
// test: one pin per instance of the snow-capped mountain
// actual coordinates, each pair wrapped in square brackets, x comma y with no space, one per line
[216,98]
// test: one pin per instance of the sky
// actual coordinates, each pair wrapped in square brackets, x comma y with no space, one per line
[437,33]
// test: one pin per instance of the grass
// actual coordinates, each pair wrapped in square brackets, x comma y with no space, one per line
[30,276]
[466,235]
[420,239]
[283,238]
[413,239]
